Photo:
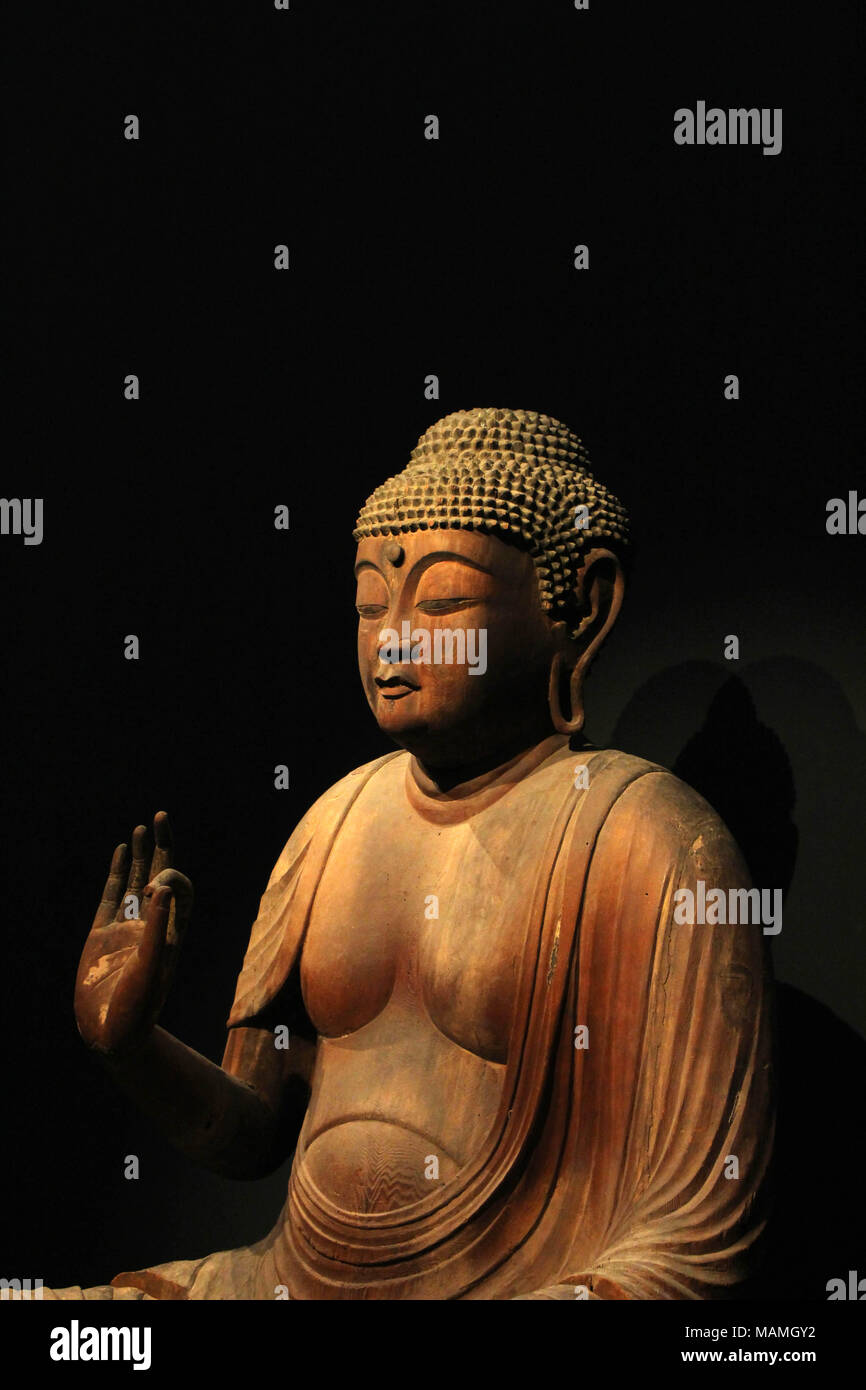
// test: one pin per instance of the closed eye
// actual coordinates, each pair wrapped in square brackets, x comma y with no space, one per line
[371,610]
[445,605]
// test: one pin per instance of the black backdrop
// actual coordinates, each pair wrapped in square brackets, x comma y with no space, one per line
[306,387]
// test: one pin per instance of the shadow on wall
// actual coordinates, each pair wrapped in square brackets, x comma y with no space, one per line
[703,724]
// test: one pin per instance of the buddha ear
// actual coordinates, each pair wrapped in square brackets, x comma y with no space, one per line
[600,591]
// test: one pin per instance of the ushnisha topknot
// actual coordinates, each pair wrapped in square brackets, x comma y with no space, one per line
[512,473]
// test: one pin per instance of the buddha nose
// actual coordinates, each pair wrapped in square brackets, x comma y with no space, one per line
[393,650]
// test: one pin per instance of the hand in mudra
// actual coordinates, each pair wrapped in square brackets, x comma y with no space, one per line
[128,962]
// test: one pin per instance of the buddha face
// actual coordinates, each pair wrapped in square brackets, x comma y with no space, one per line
[476,598]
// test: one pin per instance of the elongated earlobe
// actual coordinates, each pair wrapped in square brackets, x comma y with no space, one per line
[574,722]
[603,584]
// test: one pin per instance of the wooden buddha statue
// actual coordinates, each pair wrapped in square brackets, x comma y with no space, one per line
[512,1073]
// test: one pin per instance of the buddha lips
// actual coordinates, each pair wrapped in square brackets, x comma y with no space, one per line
[460,646]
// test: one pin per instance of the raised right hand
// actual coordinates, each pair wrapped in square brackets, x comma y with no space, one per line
[127,963]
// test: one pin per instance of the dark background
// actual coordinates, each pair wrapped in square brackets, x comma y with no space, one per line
[306,387]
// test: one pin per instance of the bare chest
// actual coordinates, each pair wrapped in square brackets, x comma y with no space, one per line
[425,919]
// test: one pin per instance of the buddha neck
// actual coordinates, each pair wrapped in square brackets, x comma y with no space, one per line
[480,780]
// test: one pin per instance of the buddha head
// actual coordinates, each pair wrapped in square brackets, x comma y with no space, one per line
[489,573]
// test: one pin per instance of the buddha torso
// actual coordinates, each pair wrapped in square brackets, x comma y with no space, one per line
[449,1037]
[397,991]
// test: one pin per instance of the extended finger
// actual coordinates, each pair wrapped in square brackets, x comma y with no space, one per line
[181,902]
[140,858]
[162,854]
[156,905]
[112,893]
[169,930]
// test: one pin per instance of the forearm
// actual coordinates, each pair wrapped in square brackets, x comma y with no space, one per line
[216,1119]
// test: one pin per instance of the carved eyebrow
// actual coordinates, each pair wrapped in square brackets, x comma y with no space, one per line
[427,560]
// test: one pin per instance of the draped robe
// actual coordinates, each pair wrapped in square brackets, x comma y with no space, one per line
[628,1153]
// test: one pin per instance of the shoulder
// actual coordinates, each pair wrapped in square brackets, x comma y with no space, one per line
[327,810]
[668,819]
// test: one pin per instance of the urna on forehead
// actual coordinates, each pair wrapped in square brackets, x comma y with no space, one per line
[393,553]
[513,473]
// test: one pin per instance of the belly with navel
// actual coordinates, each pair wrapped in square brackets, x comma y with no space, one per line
[391,1121]
[376,1165]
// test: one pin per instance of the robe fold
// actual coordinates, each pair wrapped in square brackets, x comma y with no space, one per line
[629,1154]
